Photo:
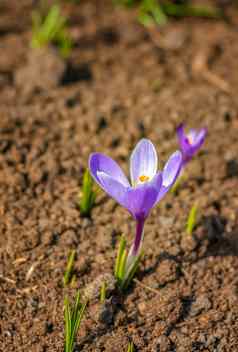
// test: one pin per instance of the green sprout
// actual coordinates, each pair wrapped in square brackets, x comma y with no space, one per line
[88,195]
[127,3]
[51,29]
[122,272]
[73,314]
[131,347]
[192,217]
[103,292]
[69,268]
[178,183]
[155,11]
[73,1]
[186,10]
[150,11]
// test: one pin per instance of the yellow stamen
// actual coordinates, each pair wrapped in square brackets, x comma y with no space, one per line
[144,178]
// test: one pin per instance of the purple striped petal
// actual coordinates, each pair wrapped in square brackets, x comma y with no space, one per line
[141,199]
[180,131]
[182,138]
[143,161]
[200,137]
[115,189]
[196,144]
[170,173]
[191,142]
[101,163]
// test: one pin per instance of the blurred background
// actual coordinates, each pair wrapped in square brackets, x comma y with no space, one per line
[81,76]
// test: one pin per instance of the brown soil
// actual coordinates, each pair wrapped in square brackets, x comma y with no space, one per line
[123,82]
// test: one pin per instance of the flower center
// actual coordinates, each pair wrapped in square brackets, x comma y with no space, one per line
[144,178]
[191,138]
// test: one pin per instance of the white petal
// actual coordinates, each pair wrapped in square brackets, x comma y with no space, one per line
[143,161]
[172,168]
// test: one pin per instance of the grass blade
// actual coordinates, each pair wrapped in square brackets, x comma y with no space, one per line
[192,217]
[150,11]
[131,272]
[69,268]
[103,292]
[122,266]
[51,29]
[88,194]
[121,250]
[185,10]
[73,315]
[131,347]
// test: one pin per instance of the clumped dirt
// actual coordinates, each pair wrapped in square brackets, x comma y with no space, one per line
[122,82]
[49,73]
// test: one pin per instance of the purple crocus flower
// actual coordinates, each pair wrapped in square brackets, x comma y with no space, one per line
[147,186]
[191,142]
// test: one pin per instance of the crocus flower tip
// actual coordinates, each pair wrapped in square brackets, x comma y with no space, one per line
[191,142]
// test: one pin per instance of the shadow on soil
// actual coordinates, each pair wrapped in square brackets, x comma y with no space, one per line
[77,73]
[214,241]
[219,242]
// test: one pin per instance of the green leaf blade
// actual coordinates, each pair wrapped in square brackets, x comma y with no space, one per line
[192,218]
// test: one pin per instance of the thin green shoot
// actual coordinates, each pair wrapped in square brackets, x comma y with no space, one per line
[158,12]
[122,273]
[179,181]
[192,219]
[88,196]
[73,281]
[150,12]
[122,266]
[51,29]
[176,185]
[120,254]
[127,3]
[73,1]
[187,10]
[73,314]
[131,347]
[68,275]
[103,292]
[131,272]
